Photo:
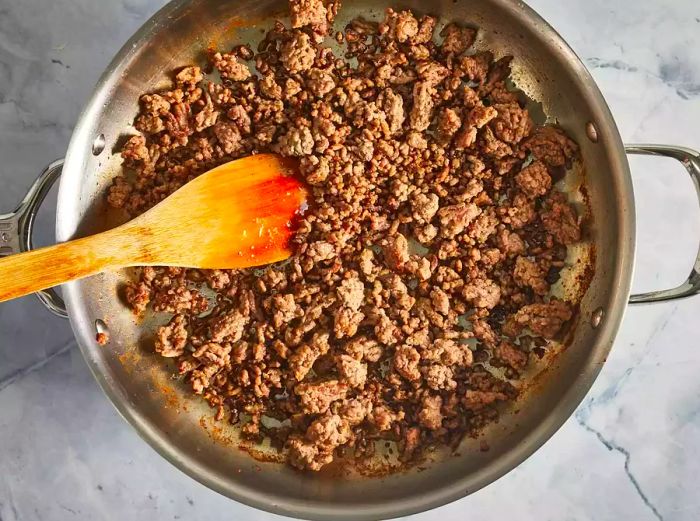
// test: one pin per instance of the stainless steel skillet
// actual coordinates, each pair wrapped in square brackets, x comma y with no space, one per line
[139,384]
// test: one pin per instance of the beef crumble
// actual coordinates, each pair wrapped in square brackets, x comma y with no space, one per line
[427,251]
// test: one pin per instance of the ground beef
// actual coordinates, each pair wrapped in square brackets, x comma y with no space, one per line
[320,82]
[400,26]
[440,301]
[316,398]
[316,448]
[478,399]
[356,410]
[483,226]
[230,68]
[534,180]
[352,371]
[304,357]
[512,123]
[510,243]
[406,363]
[507,354]
[439,377]
[475,68]
[392,105]
[455,219]
[297,53]
[551,146]
[320,251]
[297,142]
[363,348]
[448,124]
[431,235]
[396,251]
[421,113]
[384,418]
[449,353]
[528,273]
[542,319]
[520,212]
[346,322]
[138,296]
[269,87]
[172,339]
[179,299]
[482,293]
[425,206]
[457,39]
[229,327]
[480,115]
[560,219]
[483,332]
[308,12]
[228,136]
[351,293]
[430,416]
[135,151]
[302,360]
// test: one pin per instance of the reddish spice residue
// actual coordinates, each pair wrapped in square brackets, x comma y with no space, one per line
[102,338]
[171,399]
[261,455]
[277,218]
[229,30]
[215,432]
[130,361]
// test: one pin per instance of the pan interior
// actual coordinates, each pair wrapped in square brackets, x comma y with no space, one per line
[178,425]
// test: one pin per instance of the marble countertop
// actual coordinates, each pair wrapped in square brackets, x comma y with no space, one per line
[632,449]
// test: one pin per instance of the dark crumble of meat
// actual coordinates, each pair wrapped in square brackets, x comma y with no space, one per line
[433,201]
[560,219]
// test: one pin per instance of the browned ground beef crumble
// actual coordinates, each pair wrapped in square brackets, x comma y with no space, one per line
[432,200]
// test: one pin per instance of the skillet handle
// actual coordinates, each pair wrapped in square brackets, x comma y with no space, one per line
[16,229]
[691,161]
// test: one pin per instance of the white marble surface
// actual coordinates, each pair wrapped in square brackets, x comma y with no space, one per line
[631,451]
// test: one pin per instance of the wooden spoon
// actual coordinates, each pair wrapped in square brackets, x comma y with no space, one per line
[237,215]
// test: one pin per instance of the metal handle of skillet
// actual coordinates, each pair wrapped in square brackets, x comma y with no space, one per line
[16,228]
[690,159]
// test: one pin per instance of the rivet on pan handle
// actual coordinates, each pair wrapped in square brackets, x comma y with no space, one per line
[691,161]
[16,229]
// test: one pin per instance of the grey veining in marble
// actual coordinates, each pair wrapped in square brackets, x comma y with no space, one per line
[631,451]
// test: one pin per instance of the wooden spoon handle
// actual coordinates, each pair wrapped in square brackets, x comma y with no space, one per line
[35,270]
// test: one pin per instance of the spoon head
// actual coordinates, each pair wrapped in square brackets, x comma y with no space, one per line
[240,214]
